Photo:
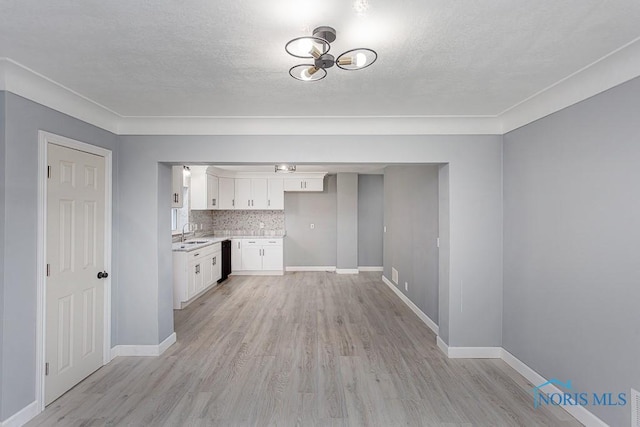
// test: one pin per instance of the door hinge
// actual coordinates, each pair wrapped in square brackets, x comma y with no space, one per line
[48,270]
[48,171]
[46,368]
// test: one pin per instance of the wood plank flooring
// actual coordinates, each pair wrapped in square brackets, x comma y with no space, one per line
[304,349]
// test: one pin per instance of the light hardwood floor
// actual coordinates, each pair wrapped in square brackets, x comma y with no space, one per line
[308,349]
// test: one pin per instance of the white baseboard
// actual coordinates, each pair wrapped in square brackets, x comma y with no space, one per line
[578,412]
[371,268]
[475,352]
[311,268]
[469,352]
[143,350]
[258,273]
[442,346]
[347,271]
[427,321]
[22,417]
[168,342]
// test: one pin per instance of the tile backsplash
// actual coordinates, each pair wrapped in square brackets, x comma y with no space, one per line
[248,220]
[202,217]
[238,220]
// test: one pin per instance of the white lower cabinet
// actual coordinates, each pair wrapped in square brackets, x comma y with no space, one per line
[259,256]
[236,255]
[194,272]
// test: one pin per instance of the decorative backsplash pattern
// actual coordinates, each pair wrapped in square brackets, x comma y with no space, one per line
[238,222]
[202,217]
[248,220]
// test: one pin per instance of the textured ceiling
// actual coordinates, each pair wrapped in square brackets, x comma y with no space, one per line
[227,58]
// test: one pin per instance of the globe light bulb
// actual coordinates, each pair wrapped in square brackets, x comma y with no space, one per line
[305,45]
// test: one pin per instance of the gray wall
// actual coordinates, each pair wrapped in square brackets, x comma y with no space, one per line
[411,218]
[475,182]
[23,119]
[165,259]
[370,220]
[2,207]
[347,226]
[443,251]
[572,227]
[304,246]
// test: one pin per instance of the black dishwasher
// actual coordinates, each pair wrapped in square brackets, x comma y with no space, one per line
[226,260]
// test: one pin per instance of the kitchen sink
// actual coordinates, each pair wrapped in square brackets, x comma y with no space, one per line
[195,242]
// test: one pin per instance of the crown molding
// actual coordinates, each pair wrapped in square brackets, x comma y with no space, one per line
[355,125]
[27,83]
[609,71]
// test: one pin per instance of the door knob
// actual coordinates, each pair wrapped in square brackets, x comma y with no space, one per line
[103,275]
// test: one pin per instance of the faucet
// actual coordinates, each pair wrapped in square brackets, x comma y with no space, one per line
[187,224]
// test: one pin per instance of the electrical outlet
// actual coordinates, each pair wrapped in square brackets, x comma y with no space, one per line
[406,286]
[262,225]
[384,229]
[394,275]
[312,226]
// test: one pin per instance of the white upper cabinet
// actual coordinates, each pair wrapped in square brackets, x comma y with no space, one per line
[226,193]
[177,182]
[251,193]
[212,192]
[276,193]
[243,193]
[303,184]
[213,188]
[203,190]
[259,193]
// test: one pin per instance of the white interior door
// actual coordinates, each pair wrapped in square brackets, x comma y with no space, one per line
[74,330]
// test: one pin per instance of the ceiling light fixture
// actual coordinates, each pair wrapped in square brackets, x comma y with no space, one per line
[317,47]
[285,168]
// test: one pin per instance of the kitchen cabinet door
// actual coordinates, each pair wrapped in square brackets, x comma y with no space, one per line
[236,255]
[259,193]
[252,258]
[216,263]
[293,184]
[206,271]
[195,280]
[272,258]
[313,184]
[276,193]
[212,192]
[203,189]
[303,184]
[212,271]
[177,181]
[226,193]
[243,193]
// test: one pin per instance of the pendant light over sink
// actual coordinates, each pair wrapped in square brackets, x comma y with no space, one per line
[316,47]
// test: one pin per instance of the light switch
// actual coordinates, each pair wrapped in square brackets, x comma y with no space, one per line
[312,226]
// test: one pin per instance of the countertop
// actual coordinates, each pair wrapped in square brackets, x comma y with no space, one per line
[210,240]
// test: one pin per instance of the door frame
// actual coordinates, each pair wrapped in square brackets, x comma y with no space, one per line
[44,138]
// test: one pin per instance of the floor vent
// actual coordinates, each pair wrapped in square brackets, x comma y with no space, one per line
[635,408]
[394,275]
